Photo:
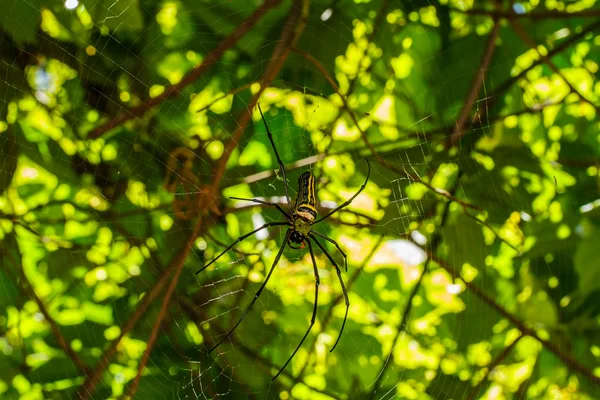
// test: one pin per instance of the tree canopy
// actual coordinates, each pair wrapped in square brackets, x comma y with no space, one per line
[127,126]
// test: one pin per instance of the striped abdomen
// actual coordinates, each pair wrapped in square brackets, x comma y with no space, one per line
[306,199]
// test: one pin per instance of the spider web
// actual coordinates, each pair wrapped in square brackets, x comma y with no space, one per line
[414,329]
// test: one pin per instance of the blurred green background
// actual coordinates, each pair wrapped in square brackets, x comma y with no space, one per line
[126,125]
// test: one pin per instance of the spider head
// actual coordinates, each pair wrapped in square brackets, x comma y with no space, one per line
[296,240]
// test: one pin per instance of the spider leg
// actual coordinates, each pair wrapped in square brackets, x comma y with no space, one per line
[239,240]
[314,314]
[336,245]
[281,167]
[277,257]
[265,203]
[349,200]
[339,274]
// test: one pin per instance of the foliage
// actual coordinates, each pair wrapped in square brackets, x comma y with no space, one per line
[127,125]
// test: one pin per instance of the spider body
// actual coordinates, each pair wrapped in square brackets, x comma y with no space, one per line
[306,199]
[305,211]
[300,221]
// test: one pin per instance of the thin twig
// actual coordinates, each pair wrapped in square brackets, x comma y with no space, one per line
[478,80]
[507,84]
[87,388]
[487,225]
[558,49]
[229,93]
[321,210]
[535,15]
[531,43]
[505,352]
[29,289]
[569,360]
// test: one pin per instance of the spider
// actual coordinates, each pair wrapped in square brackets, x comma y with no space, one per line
[300,220]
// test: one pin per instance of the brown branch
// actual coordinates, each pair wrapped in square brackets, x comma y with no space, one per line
[30,290]
[505,352]
[535,15]
[335,87]
[569,360]
[558,49]
[217,99]
[190,78]
[496,234]
[531,43]
[309,57]
[88,386]
[507,84]
[410,133]
[259,176]
[478,80]
[290,34]
[176,265]
[440,191]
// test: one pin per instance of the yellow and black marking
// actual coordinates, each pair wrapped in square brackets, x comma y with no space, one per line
[306,199]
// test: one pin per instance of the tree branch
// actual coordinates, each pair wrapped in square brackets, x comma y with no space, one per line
[179,262]
[88,386]
[478,80]
[505,352]
[176,265]
[569,360]
[29,290]
[289,37]
[531,43]
[535,15]
[558,49]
